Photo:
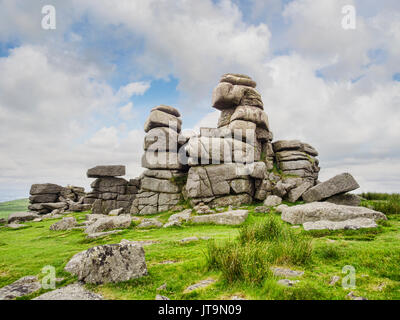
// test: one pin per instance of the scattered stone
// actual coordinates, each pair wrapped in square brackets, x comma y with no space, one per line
[317,211]
[352,296]
[20,288]
[109,223]
[190,239]
[160,297]
[234,217]
[351,224]
[168,262]
[15,226]
[21,217]
[262,209]
[181,216]
[201,284]
[284,272]
[37,220]
[102,234]
[202,209]
[149,223]
[174,223]
[109,263]
[281,207]
[64,224]
[339,184]
[139,243]
[287,282]
[272,201]
[74,291]
[162,287]
[334,280]
[237,298]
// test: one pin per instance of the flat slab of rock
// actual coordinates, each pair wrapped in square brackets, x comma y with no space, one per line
[346,199]
[352,224]
[22,216]
[234,217]
[102,234]
[109,263]
[74,291]
[287,273]
[20,288]
[15,226]
[106,171]
[45,188]
[339,184]
[150,223]
[317,211]
[201,284]
[190,239]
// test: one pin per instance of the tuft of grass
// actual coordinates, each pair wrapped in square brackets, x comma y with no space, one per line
[259,246]
[380,196]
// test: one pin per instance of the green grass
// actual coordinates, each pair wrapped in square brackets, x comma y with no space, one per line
[375,254]
[13,206]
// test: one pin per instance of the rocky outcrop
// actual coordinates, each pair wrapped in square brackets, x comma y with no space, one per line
[162,182]
[339,184]
[109,263]
[109,191]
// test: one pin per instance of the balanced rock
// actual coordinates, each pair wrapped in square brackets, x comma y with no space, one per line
[160,118]
[339,184]
[109,263]
[106,171]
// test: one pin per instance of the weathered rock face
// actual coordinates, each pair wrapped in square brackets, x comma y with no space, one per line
[339,184]
[318,211]
[109,192]
[109,263]
[160,118]
[226,218]
[48,197]
[20,288]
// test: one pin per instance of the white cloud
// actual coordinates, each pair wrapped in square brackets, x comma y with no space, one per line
[133,88]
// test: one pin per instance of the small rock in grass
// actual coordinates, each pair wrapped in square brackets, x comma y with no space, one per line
[162,287]
[116,212]
[174,223]
[281,207]
[352,296]
[190,239]
[160,297]
[262,209]
[201,284]
[150,223]
[287,282]
[333,281]
[284,272]
[16,226]
[272,201]
[73,291]
[102,234]
[64,224]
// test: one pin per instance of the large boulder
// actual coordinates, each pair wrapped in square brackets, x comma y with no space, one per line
[109,263]
[347,199]
[159,185]
[21,217]
[167,109]
[239,79]
[162,160]
[339,184]
[253,114]
[42,198]
[317,211]
[161,139]
[160,118]
[106,171]
[109,223]
[46,188]
[225,218]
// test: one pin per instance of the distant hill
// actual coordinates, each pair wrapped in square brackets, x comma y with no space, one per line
[13,206]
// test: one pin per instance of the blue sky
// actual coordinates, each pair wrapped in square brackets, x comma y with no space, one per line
[78,96]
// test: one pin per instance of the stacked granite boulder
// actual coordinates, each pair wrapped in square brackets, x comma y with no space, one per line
[162,182]
[110,191]
[48,197]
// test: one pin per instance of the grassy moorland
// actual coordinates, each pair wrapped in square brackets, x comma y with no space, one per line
[238,258]
[13,206]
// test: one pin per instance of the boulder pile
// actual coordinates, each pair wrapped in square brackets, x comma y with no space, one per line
[110,192]
[161,184]
[48,197]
